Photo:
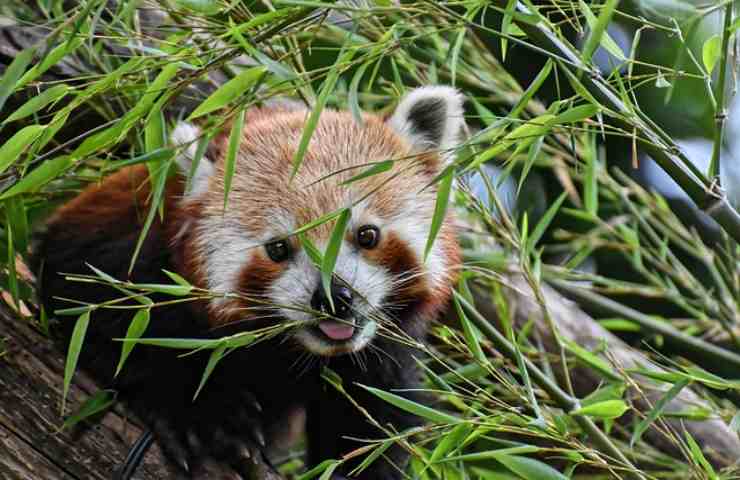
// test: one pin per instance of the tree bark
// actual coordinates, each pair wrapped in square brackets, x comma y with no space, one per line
[33,446]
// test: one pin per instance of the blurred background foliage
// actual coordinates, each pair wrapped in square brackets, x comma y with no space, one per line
[556,182]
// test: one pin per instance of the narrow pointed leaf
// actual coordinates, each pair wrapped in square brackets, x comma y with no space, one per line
[136,329]
[73,352]
[235,139]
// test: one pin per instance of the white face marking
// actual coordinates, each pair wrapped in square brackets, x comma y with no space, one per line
[228,246]
[370,284]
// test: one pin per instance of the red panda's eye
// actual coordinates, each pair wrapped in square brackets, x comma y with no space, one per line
[368,236]
[278,250]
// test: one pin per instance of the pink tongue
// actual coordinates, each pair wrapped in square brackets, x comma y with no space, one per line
[336,330]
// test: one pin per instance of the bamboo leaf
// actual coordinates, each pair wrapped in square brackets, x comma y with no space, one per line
[711,51]
[38,102]
[229,91]
[412,407]
[12,149]
[136,329]
[235,139]
[101,401]
[598,27]
[529,468]
[444,189]
[73,353]
[9,80]
[376,169]
[329,259]
[607,409]
[313,119]
[216,355]
[657,410]
[544,222]
[156,198]
[39,176]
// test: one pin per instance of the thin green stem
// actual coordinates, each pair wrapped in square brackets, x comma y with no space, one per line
[720,112]
[711,354]
[705,194]
[562,398]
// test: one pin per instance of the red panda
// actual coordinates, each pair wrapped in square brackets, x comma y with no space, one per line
[247,251]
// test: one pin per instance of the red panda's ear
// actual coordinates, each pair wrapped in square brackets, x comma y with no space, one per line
[431,118]
[186,136]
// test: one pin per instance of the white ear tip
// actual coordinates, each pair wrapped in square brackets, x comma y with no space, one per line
[184,133]
[431,116]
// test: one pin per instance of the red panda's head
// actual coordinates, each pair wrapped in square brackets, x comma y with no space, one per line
[380,277]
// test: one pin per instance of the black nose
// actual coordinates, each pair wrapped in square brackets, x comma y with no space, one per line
[341,297]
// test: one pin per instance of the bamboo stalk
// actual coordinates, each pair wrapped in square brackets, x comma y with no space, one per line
[563,399]
[720,112]
[707,195]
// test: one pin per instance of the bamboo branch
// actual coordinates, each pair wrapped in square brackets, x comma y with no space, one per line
[707,195]
[720,112]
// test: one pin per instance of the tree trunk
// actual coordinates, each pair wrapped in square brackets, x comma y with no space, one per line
[33,446]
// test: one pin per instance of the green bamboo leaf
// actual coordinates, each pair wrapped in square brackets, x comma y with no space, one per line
[471,333]
[39,176]
[17,218]
[9,80]
[412,407]
[607,409]
[657,410]
[38,102]
[529,468]
[506,26]
[235,139]
[590,181]
[329,259]
[319,221]
[229,91]
[544,222]
[314,254]
[591,360]
[321,467]
[178,343]
[711,52]
[576,114]
[313,119]
[73,353]
[376,169]
[136,329]
[451,441]
[216,355]
[10,263]
[494,454]
[12,149]
[178,279]
[699,457]
[353,95]
[372,457]
[206,7]
[155,200]
[329,472]
[444,190]
[99,402]
[531,90]
[598,34]
[521,137]
[49,61]
[174,290]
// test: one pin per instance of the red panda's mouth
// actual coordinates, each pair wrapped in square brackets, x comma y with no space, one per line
[338,331]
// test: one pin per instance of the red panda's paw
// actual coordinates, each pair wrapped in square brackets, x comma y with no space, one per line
[228,433]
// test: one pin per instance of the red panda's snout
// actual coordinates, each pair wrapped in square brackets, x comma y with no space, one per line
[384,282]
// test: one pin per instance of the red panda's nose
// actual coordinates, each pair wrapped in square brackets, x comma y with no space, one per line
[341,298]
